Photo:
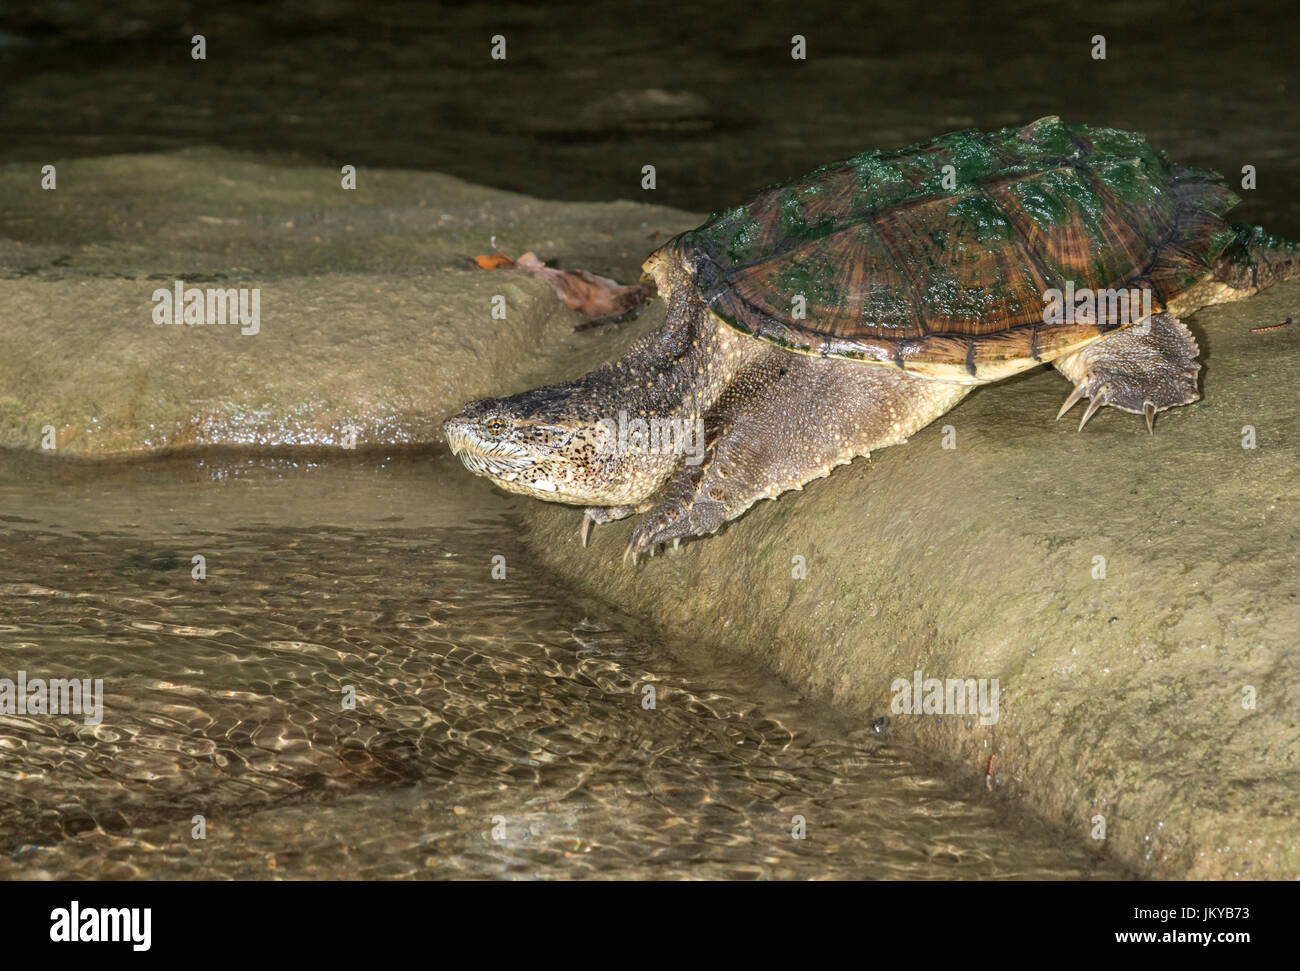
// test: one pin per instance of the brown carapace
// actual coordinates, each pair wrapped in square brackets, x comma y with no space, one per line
[936,257]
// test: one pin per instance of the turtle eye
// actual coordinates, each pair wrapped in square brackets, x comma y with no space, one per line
[495,426]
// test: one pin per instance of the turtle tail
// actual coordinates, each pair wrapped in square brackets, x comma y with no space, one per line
[1255,259]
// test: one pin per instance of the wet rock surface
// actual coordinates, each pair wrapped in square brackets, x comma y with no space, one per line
[352,691]
[374,322]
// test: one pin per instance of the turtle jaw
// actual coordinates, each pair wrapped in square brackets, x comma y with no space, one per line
[509,464]
[574,473]
[500,460]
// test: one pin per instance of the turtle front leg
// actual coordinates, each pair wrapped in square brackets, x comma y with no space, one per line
[785,420]
[686,505]
[1143,369]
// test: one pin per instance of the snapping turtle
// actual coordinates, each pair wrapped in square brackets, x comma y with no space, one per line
[843,312]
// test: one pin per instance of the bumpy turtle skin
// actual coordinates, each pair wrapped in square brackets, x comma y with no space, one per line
[785,420]
[1143,369]
[779,421]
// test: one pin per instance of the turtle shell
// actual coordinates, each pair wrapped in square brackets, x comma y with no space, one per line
[938,257]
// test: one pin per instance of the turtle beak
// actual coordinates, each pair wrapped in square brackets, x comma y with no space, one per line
[484,456]
[461,434]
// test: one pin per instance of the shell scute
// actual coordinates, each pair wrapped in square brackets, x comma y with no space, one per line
[909,256]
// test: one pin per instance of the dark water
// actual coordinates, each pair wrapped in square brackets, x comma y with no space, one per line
[499,727]
[588,94]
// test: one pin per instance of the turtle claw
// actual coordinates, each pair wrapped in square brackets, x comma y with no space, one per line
[1094,405]
[1071,401]
[677,520]
[1095,401]
[1104,397]
[605,514]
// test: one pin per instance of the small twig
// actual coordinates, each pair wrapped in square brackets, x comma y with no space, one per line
[1261,330]
[988,774]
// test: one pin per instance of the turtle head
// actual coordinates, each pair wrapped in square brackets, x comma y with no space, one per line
[544,443]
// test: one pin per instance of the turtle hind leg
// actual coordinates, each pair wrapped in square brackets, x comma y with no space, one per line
[1143,369]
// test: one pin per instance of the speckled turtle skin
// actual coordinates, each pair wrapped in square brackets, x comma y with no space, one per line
[842,312]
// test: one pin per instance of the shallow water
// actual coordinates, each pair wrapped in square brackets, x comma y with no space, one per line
[499,730]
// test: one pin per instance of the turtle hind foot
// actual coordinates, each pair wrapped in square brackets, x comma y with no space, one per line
[1143,369]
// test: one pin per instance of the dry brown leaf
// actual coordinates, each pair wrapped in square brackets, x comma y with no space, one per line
[586,292]
[494,261]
